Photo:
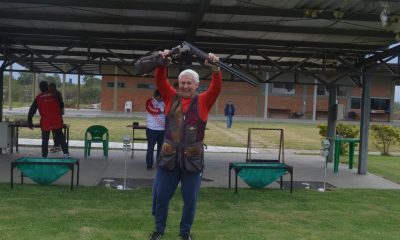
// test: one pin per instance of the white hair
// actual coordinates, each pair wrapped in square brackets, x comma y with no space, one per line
[191,73]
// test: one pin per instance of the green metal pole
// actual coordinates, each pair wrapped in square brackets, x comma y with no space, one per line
[336,160]
[351,154]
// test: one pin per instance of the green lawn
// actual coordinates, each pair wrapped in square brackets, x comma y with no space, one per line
[54,212]
[385,166]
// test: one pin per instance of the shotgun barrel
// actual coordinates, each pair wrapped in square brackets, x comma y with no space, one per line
[149,63]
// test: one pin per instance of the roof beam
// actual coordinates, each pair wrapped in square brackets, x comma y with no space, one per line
[174,7]
[198,16]
[174,39]
[122,20]
[195,24]
[379,56]
[114,4]
[292,29]
[83,53]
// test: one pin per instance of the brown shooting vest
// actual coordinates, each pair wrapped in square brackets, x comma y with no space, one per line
[183,142]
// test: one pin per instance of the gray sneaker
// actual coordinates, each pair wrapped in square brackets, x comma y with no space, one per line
[156,235]
[55,149]
[186,236]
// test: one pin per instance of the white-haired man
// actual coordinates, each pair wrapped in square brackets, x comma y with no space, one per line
[182,154]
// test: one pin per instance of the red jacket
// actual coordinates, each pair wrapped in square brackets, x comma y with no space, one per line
[50,112]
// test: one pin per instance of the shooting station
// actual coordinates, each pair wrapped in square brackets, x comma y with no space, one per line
[262,44]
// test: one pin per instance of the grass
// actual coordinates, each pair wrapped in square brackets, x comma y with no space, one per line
[54,212]
[384,166]
[297,135]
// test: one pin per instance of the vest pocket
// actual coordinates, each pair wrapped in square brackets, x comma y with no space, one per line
[168,157]
[193,159]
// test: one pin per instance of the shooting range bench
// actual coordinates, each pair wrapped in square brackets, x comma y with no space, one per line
[45,170]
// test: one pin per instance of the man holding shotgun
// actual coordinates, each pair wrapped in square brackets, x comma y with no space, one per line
[182,154]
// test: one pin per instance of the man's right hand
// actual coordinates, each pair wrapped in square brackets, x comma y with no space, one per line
[164,53]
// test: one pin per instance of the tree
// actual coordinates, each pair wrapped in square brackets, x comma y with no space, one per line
[396,107]
[90,92]
[25,78]
[384,136]
[343,131]
[55,78]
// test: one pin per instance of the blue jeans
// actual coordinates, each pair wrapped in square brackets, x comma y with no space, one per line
[153,137]
[165,184]
[229,119]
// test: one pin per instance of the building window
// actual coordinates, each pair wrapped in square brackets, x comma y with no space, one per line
[376,103]
[283,88]
[380,104]
[119,84]
[145,85]
[355,103]
[321,90]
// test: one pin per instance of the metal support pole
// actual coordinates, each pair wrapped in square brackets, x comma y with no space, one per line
[78,93]
[304,105]
[332,118]
[1,94]
[266,94]
[115,88]
[364,124]
[314,110]
[63,81]
[10,88]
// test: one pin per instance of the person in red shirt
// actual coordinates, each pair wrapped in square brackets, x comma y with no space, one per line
[50,118]
[182,154]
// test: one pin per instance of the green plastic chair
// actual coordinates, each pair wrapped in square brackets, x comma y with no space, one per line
[96,134]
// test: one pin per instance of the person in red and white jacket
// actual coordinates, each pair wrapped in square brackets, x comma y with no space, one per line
[155,123]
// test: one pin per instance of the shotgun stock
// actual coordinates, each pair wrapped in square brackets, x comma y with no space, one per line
[149,63]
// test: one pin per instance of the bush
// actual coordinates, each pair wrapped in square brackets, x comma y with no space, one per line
[342,130]
[384,136]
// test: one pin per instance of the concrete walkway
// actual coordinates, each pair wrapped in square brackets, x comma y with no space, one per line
[308,169]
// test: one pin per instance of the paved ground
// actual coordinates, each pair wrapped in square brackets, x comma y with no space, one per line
[307,168]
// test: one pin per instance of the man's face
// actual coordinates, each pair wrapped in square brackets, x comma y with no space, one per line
[187,86]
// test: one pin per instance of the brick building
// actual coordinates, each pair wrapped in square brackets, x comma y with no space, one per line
[283,100]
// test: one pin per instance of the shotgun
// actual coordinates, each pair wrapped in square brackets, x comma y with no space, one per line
[149,63]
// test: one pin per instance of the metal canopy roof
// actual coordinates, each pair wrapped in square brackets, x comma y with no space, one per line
[329,40]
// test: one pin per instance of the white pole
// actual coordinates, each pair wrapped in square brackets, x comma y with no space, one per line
[266,90]
[314,110]
[126,146]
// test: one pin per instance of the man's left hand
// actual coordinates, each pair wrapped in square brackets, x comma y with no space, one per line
[212,58]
